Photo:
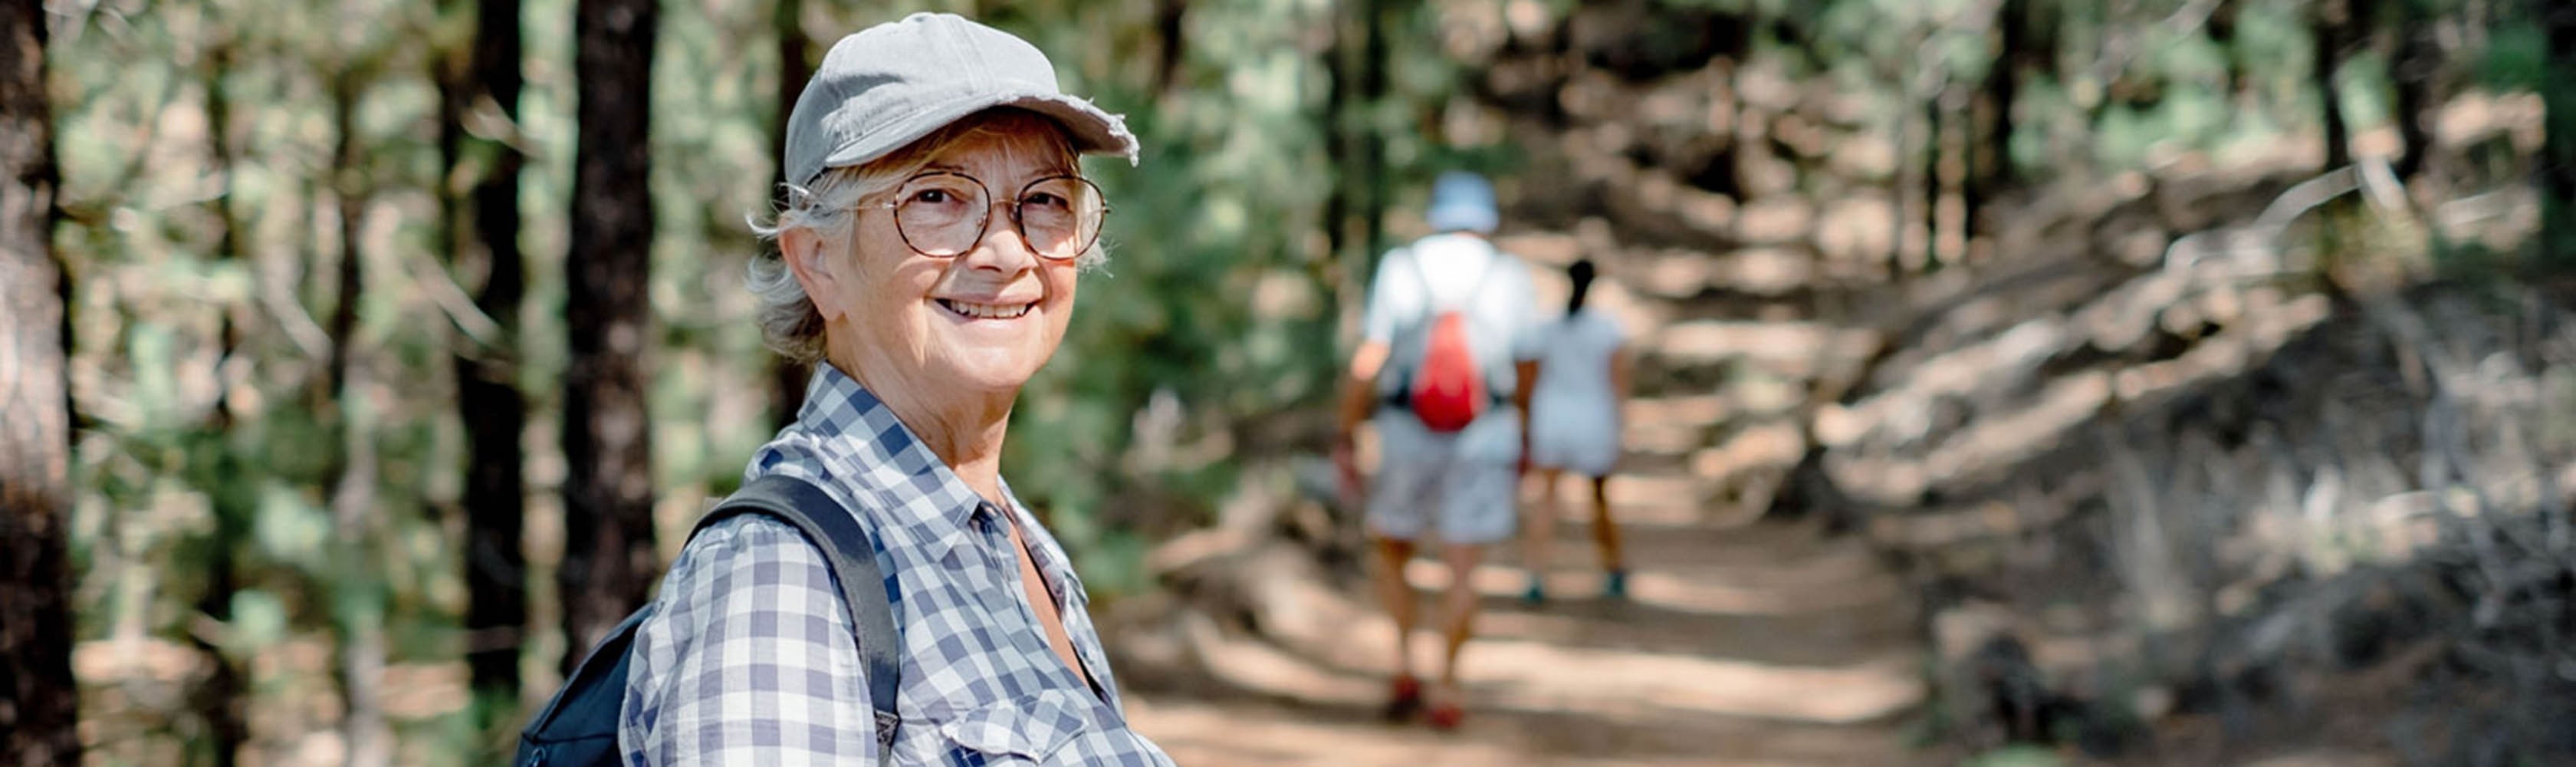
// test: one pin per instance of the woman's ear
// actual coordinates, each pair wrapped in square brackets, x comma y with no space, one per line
[806,257]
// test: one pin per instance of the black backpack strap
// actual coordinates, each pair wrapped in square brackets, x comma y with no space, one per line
[854,557]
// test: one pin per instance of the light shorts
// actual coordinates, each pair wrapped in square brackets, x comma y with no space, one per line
[1470,500]
[1578,439]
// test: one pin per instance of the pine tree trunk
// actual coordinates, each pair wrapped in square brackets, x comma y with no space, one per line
[2222,30]
[39,700]
[1372,145]
[2329,21]
[358,615]
[609,560]
[220,699]
[787,377]
[1990,168]
[483,249]
[2414,68]
[1170,27]
[1348,269]
[2558,167]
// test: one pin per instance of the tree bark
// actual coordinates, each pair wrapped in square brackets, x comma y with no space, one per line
[2414,68]
[1347,269]
[1355,68]
[2558,167]
[39,700]
[2222,30]
[2329,25]
[1916,184]
[220,698]
[609,559]
[1990,168]
[358,605]
[1170,26]
[1372,146]
[483,250]
[787,377]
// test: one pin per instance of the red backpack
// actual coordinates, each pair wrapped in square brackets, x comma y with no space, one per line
[1448,389]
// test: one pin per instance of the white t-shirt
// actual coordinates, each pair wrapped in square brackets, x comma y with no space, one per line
[1496,293]
[1574,366]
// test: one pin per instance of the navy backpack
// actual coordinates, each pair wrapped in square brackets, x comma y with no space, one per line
[578,728]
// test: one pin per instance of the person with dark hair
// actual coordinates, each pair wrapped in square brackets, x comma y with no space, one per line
[1574,429]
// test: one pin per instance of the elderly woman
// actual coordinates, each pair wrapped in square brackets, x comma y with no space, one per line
[935,224]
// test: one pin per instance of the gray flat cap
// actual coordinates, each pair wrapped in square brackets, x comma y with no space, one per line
[891,84]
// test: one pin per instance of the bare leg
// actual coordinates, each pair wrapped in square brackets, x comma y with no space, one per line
[1459,611]
[1396,596]
[1538,527]
[1605,532]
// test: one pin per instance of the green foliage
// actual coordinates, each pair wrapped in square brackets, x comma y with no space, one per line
[1217,306]
[2516,58]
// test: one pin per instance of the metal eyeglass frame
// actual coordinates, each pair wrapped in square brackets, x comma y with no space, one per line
[984,224]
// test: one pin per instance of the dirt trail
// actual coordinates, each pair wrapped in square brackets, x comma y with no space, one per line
[1744,643]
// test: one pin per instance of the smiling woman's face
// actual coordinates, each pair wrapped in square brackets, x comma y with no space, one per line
[979,323]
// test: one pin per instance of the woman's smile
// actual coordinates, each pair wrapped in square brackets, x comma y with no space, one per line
[972,311]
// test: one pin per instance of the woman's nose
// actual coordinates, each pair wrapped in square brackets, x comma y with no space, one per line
[1003,247]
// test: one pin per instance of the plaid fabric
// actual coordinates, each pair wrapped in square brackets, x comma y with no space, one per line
[750,658]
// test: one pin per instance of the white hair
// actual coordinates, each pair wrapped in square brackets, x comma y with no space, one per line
[828,208]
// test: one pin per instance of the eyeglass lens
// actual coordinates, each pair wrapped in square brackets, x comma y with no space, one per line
[944,214]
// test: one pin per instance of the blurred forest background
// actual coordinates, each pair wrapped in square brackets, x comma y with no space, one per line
[2024,381]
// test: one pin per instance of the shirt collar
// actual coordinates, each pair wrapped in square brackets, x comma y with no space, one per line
[862,443]
[865,442]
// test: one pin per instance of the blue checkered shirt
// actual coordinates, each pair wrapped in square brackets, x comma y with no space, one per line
[750,659]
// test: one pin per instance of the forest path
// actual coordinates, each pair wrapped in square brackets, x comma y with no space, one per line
[1743,643]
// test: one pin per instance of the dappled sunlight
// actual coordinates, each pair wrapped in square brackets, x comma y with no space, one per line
[1535,674]
[1789,348]
[1204,733]
[2135,384]
[1670,591]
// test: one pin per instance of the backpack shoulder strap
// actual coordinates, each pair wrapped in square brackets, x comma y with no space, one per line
[854,556]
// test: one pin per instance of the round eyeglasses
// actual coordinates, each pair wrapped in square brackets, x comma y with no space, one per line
[943,214]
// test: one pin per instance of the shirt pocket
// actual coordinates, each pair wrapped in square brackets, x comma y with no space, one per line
[1030,730]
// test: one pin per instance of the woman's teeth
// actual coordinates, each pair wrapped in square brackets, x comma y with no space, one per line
[986,311]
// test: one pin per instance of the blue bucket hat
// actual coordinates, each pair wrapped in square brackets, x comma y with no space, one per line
[1462,201]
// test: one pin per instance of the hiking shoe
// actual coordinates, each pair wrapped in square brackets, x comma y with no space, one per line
[1447,716]
[1616,586]
[1406,699]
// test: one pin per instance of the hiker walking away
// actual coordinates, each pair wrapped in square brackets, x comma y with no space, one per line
[935,222]
[1574,429]
[1443,371]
